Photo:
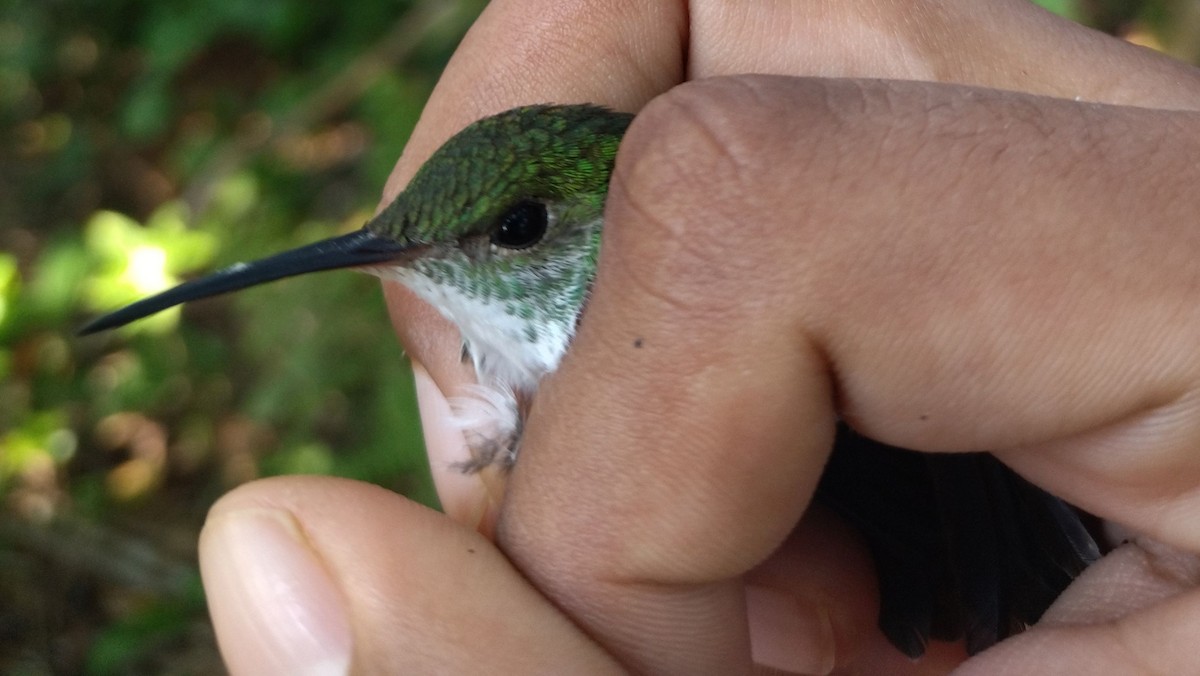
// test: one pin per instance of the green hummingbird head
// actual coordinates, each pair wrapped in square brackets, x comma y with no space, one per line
[499,230]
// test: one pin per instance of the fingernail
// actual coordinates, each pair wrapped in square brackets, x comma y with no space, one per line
[275,608]
[788,635]
[462,495]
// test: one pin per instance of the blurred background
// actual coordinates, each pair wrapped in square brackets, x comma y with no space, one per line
[144,142]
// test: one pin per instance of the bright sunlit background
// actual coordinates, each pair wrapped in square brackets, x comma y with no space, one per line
[147,142]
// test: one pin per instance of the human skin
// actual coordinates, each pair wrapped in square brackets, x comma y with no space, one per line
[947,269]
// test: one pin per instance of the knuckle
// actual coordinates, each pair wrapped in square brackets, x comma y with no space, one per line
[717,182]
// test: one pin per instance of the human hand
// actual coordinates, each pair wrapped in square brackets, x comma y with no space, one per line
[694,608]
[609,54]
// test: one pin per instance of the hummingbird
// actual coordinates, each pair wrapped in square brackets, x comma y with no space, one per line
[500,230]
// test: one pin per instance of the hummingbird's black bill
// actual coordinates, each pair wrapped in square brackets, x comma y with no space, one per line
[361,247]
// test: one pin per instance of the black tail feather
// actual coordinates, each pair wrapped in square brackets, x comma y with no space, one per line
[964,547]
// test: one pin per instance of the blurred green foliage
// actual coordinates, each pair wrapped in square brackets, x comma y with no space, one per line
[148,141]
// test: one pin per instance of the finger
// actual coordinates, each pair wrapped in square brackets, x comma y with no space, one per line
[1129,613]
[315,575]
[1136,575]
[812,608]
[520,53]
[964,268]
[466,498]
[1012,44]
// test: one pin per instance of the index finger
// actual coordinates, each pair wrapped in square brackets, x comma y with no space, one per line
[960,269]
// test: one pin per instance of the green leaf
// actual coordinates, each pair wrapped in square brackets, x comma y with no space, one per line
[1065,8]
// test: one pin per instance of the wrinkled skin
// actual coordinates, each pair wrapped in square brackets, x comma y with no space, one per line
[948,271]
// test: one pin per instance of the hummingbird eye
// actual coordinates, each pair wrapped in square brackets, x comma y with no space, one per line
[522,226]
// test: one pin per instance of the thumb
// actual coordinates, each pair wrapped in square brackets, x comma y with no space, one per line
[315,575]
[275,606]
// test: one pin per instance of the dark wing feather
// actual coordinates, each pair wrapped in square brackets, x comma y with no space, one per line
[964,547]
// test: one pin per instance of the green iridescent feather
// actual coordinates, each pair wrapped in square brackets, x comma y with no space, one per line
[554,153]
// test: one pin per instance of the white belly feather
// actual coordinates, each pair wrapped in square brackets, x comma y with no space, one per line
[507,362]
